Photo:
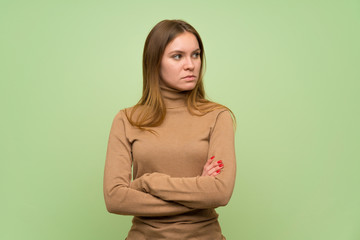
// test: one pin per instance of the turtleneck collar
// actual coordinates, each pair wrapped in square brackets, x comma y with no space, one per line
[173,98]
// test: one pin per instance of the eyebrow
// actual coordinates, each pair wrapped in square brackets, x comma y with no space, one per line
[179,51]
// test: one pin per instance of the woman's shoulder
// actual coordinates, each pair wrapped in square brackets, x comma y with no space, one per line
[212,113]
[122,114]
[222,118]
[127,115]
[221,109]
[214,109]
[221,113]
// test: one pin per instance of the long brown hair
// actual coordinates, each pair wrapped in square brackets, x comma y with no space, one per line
[151,110]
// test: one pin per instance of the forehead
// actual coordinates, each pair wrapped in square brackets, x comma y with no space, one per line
[183,42]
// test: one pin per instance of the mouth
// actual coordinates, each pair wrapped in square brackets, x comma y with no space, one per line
[190,77]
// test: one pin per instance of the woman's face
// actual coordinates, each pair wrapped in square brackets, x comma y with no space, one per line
[180,64]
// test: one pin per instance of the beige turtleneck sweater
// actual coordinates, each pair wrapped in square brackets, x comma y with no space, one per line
[168,197]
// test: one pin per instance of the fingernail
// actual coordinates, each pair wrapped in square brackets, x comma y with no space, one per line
[221,165]
[218,171]
[212,157]
[220,161]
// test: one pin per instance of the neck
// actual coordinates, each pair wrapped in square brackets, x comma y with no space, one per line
[173,98]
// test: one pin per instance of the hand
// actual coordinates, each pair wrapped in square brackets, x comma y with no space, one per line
[212,168]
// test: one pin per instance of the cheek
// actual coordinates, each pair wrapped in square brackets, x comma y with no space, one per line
[167,72]
[164,69]
[170,69]
[198,66]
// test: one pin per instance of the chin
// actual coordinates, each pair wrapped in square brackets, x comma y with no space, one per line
[187,87]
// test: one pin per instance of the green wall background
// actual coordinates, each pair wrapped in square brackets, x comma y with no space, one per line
[288,69]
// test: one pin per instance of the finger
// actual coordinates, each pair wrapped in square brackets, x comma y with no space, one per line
[219,166]
[211,166]
[208,163]
[215,169]
[216,173]
[210,159]
[215,164]
[207,166]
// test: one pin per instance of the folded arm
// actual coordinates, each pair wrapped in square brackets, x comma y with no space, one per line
[202,191]
[119,198]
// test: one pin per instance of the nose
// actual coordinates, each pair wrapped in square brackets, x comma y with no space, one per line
[189,64]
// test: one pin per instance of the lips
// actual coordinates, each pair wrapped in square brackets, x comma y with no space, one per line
[190,77]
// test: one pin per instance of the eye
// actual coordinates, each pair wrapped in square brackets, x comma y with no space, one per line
[196,55]
[176,56]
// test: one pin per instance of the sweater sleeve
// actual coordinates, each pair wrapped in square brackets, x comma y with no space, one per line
[119,198]
[202,191]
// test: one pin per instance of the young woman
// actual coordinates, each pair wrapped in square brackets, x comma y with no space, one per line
[180,145]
